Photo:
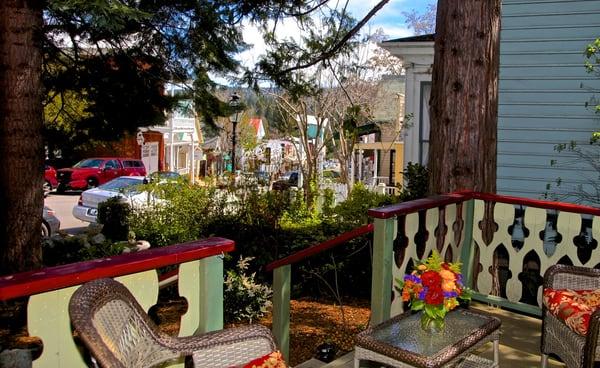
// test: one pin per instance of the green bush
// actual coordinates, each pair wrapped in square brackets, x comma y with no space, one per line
[180,213]
[113,214]
[245,300]
[60,250]
[416,179]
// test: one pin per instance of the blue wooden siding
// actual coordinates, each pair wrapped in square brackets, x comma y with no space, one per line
[543,90]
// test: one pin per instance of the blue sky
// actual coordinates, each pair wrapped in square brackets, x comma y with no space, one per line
[389,18]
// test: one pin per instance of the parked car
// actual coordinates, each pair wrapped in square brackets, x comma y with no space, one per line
[50,181]
[124,187]
[50,223]
[91,172]
[288,180]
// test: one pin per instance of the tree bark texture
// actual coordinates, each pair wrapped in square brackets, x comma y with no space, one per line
[21,145]
[464,98]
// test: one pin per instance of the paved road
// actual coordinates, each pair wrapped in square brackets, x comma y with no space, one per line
[63,205]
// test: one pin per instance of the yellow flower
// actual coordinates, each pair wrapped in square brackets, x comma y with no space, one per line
[421,267]
[450,303]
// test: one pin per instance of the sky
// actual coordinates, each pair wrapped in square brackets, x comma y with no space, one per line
[390,18]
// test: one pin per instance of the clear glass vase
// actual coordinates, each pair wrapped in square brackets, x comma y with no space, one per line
[432,325]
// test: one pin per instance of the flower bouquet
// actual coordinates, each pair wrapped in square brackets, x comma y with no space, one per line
[434,287]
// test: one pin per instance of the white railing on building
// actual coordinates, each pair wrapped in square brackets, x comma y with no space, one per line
[180,123]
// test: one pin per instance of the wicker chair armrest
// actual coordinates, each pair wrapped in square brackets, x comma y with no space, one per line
[591,339]
[573,277]
[190,344]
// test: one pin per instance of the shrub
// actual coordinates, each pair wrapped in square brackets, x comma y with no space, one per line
[60,250]
[245,300]
[416,179]
[113,215]
[180,214]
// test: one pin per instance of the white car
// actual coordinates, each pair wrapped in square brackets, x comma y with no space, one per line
[123,187]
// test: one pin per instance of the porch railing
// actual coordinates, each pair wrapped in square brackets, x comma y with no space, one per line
[282,280]
[503,261]
[50,289]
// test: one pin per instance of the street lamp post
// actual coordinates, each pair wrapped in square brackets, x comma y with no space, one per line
[234,102]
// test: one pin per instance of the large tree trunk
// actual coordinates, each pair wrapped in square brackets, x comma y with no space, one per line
[464,97]
[21,147]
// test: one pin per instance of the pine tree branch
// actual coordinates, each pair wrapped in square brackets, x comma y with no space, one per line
[329,53]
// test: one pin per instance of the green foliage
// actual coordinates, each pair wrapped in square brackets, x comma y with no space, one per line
[70,249]
[245,300]
[113,214]
[353,211]
[104,56]
[180,214]
[416,179]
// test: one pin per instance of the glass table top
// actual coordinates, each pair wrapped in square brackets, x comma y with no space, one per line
[406,334]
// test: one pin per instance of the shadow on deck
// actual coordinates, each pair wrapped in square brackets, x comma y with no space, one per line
[519,344]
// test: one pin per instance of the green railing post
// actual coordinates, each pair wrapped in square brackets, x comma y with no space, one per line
[282,278]
[211,294]
[381,281]
[467,252]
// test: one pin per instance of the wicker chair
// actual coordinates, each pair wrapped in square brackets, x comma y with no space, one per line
[118,333]
[574,349]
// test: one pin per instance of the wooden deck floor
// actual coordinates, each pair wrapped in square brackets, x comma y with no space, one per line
[519,344]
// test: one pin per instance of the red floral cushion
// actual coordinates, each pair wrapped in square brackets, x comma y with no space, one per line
[574,307]
[272,360]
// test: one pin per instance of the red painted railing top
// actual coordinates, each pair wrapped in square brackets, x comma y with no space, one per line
[551,205]
[445,199]
[418,205]
[52,278]
[318,248]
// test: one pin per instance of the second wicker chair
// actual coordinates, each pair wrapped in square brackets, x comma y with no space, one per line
[557,338]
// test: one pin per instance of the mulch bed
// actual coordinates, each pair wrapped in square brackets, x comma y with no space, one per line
[313,322]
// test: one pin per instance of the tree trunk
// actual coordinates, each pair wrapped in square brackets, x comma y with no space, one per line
[21,147]
[464,97]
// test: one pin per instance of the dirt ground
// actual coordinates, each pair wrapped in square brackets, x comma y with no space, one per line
[312,323]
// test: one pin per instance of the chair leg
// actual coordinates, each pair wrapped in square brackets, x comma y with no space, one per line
[544,360]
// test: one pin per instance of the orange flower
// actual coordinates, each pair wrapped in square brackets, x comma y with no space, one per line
[447,275]
[405,295]
[448,285]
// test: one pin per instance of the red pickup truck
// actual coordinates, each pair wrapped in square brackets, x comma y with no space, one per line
[91,172]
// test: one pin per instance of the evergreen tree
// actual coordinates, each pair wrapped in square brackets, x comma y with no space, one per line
[104,65]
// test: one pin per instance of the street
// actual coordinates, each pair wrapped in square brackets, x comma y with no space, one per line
[63,204]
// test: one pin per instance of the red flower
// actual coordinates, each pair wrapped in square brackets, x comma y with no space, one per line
[431,279]
[434,296]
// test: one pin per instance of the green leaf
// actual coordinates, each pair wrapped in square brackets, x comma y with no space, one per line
[434,261]
[441,311]
[417,305]
[430,310]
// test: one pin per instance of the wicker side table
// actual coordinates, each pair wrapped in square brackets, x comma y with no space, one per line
[399,342]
